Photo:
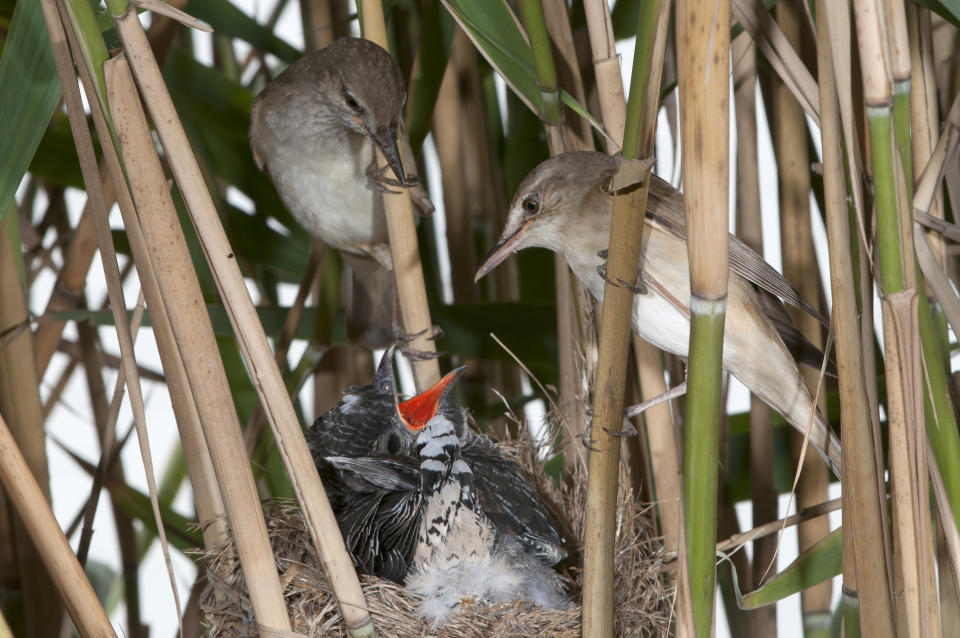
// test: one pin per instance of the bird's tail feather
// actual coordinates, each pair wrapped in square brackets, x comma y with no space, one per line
[370,302]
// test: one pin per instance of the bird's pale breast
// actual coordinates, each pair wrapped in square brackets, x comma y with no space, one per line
[326,184]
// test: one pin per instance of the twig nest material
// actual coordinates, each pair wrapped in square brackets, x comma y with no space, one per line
[642,599]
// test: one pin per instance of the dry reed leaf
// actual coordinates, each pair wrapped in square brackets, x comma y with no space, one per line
[756,20]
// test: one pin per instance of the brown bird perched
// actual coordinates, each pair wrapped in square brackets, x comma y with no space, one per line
[315,129]
[565,205]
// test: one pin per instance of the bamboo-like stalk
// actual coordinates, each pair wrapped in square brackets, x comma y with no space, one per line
[860,478]
[763,495]
[552,114]
[398,209]
[207,497]
[929,346]
[883,89]
[923,106]
[20,402]
[941,422]
[703,38]
[253,344]
[88,167]
[28,499]
[178,284]
[622,263]
[606,70]
[800,268]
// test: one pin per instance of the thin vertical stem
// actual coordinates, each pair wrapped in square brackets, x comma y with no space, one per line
[703,37]
[401,228]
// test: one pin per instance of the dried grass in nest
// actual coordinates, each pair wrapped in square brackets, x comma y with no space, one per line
[642,600]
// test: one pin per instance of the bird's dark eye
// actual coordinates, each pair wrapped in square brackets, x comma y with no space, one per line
[531,205]
[352,102]
[393,443]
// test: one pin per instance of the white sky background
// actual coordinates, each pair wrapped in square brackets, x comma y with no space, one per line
[72,421]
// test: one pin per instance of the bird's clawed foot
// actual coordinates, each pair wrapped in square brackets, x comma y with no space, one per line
[638,289]
[589,443]
[387,184]
[672,393]
[413,354]
[628,430]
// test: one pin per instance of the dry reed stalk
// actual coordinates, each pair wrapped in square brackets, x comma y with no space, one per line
[923,106]
[860,478]
[68,289]
[800,268]
[704,48]
[763,494]
[28,499]
[757,21]
[20,402]
[883,89]
[606,70]
[108,257]
[105,417]
[398,208]
[449,143]
[250,336]
[622,264]
[177,283]
[207,496]
[838,29]
[318,23]
[949,549]
[577,131]
[79,256]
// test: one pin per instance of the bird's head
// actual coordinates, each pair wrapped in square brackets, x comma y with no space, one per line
[417,411]
[412,415]
[549,203]
[365,87]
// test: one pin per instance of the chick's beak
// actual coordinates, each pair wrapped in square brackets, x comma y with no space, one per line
[501,251]
[417,411]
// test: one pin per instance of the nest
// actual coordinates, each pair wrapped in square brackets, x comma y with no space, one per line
[642,599]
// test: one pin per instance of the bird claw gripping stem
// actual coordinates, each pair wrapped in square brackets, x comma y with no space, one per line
[627,431]
[386,184]
[639,288]
[413,354]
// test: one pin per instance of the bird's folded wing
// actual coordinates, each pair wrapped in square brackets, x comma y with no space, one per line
[665,207]
[368,474]
[514,506]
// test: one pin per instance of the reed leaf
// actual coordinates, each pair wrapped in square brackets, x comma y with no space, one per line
[29,91]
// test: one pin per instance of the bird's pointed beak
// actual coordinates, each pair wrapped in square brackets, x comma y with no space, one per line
[417,411]
[501,251]
[388,143]
[384,373]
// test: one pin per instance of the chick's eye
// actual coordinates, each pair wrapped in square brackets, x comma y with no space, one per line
[531,205]
[393,444]
[352,101]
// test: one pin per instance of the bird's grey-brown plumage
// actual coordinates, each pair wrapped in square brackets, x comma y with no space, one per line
[316,130]
[565,205]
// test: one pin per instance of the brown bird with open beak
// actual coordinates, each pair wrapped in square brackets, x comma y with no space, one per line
[565,205]
[316,130]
